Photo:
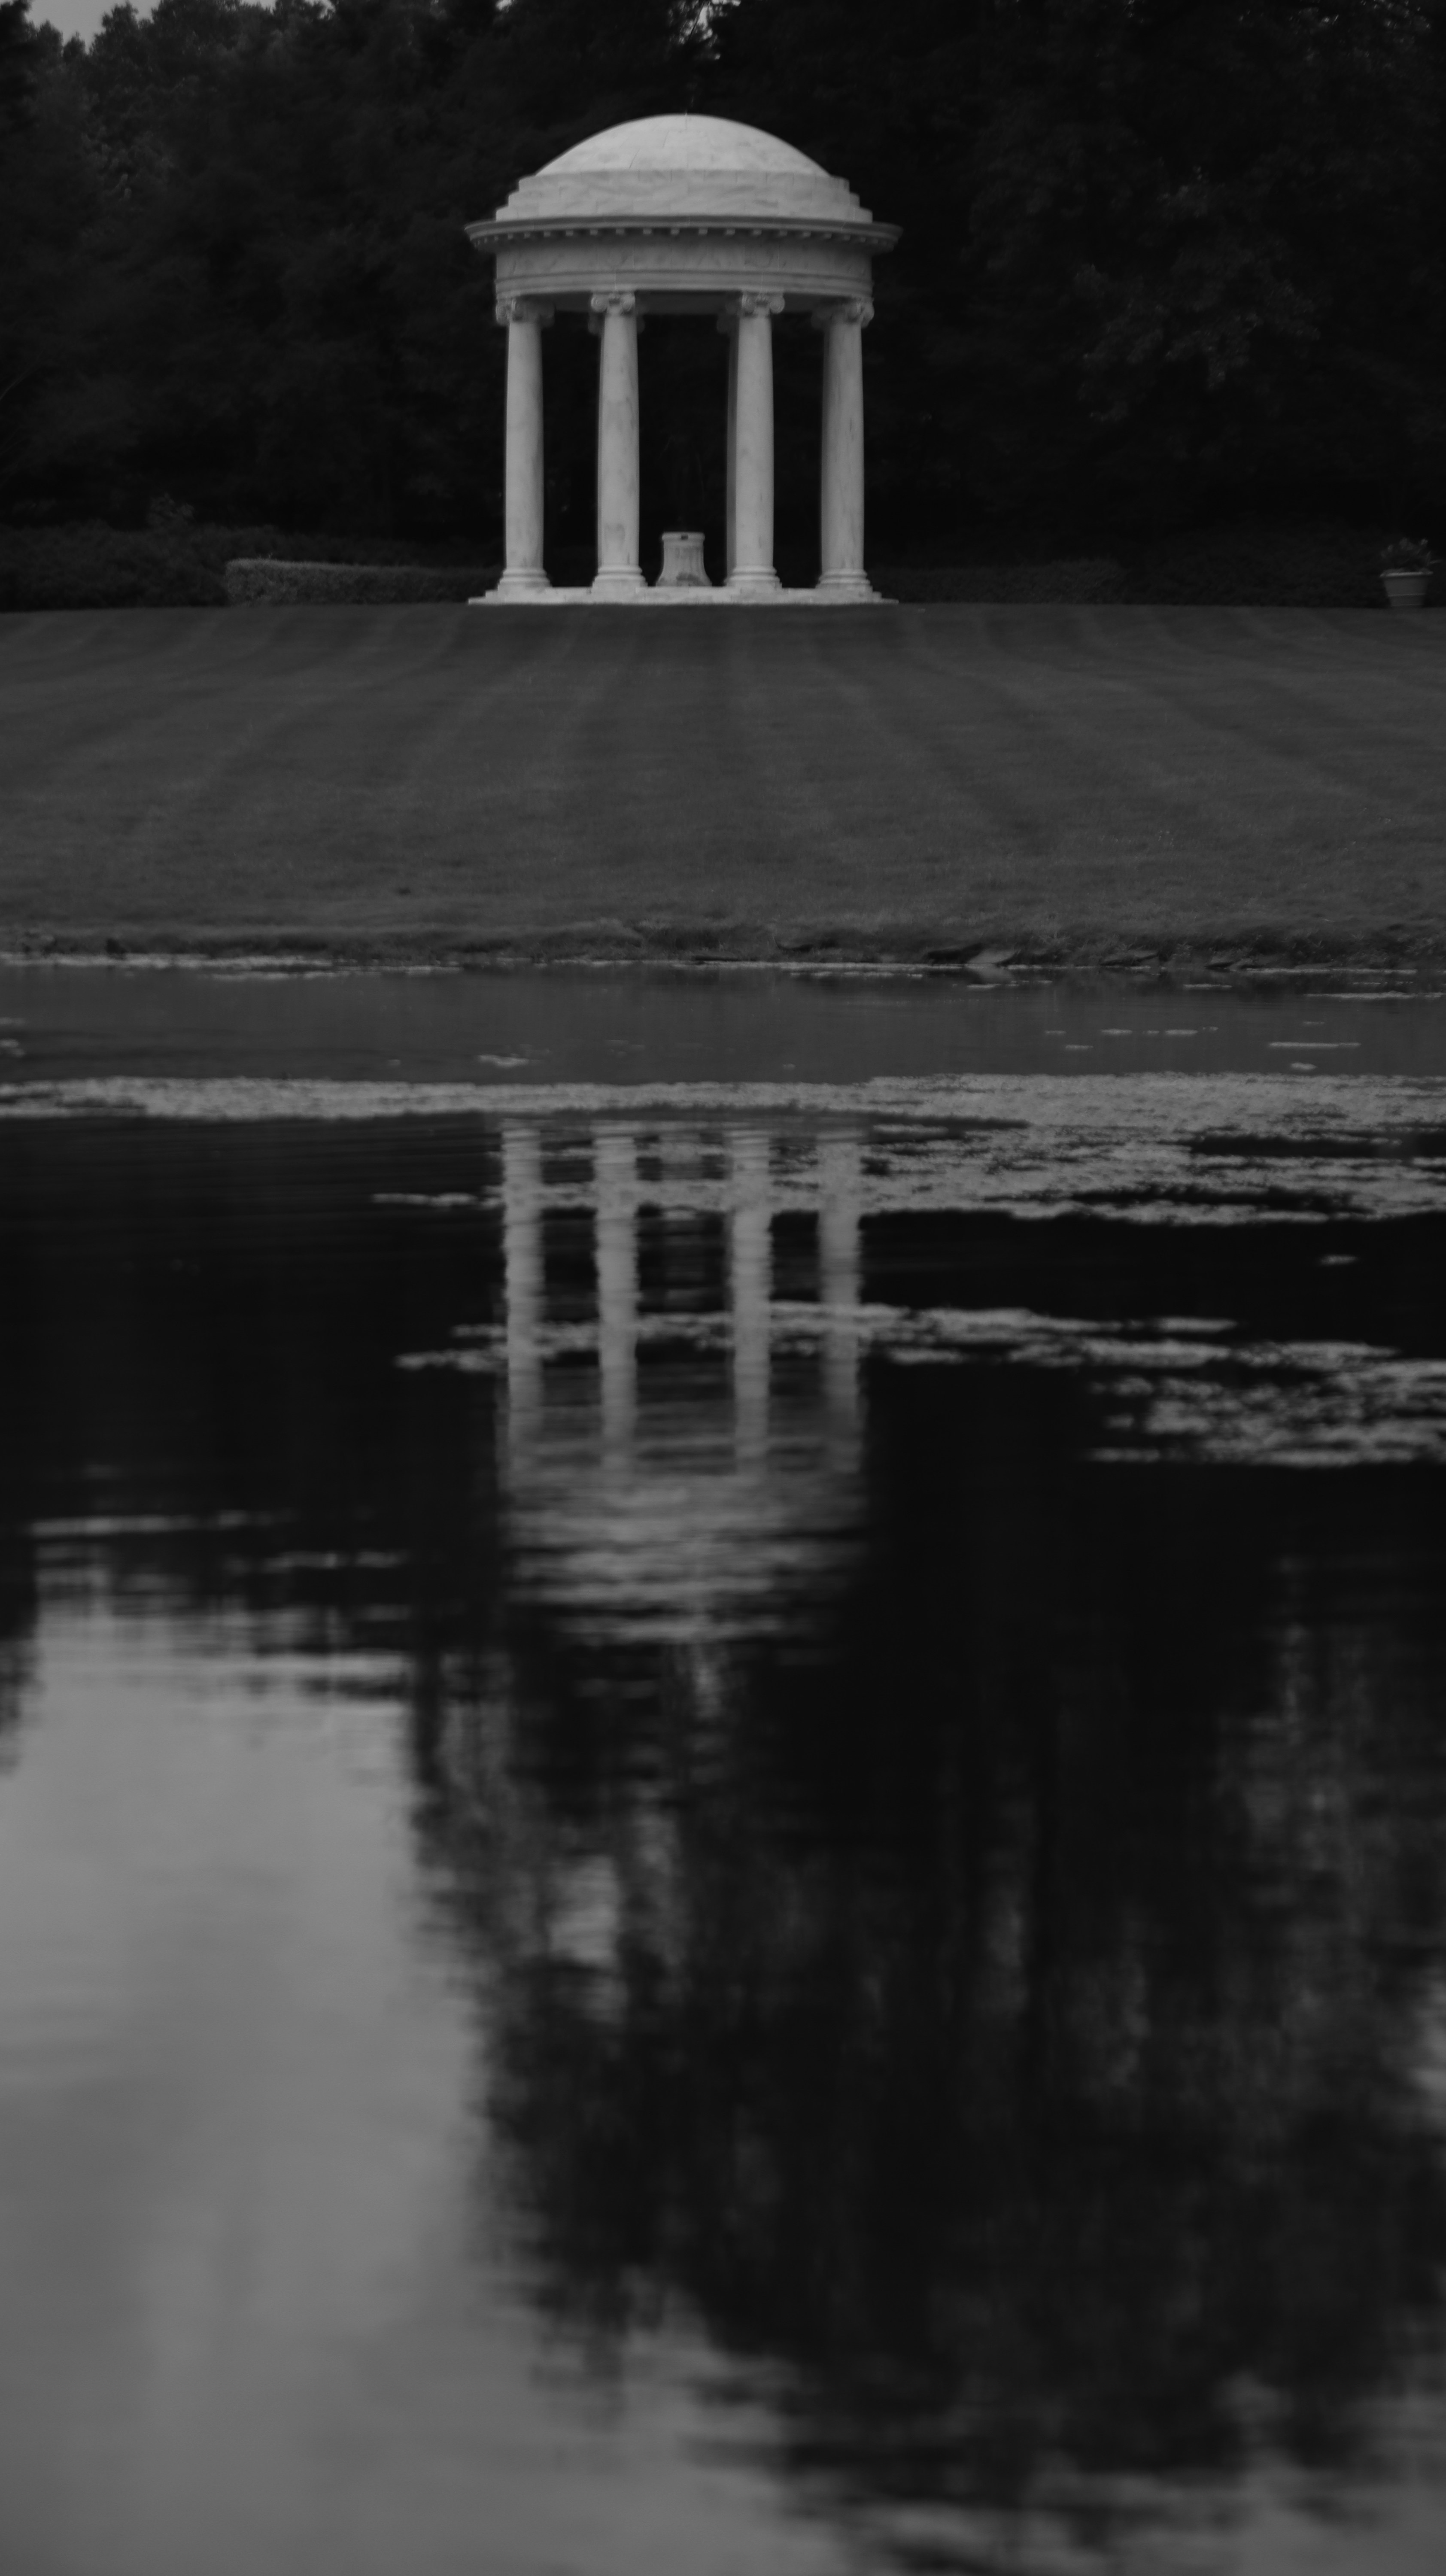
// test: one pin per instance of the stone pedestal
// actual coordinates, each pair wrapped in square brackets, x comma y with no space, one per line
[752,574]
[683,560]
[524,317]
[841,482]
[618,573]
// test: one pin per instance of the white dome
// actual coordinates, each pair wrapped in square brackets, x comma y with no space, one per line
[685,211]
[703,143]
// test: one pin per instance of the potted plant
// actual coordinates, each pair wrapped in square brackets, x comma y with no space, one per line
[1406,568]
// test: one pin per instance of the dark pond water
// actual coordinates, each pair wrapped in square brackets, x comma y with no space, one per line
[724,1026]
[722,1784]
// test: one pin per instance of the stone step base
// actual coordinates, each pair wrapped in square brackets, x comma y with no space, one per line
[676,596]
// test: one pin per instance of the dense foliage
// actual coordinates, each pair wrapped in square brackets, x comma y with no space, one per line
[1163,260]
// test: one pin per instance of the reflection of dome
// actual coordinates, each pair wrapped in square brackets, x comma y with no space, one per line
[684,143]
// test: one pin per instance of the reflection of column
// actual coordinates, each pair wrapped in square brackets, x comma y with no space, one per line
[616,1178]
[676,1150]
[728,324]
[839,1195]
[618,576]
[750,1251]
[524,318]
[752,571]
[841,483]
[522,1272]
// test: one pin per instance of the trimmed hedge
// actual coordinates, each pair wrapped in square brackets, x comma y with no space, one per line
[98,567]
[1075,582]
[1253,564]
[1248,563]
[260,581]
[176,562]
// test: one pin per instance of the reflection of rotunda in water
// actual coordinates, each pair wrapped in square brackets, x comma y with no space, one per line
[674,1462]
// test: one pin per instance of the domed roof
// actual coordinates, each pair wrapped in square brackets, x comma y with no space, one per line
[685,143]
[684,181]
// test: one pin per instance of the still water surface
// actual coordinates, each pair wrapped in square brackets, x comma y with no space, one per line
[722,1786]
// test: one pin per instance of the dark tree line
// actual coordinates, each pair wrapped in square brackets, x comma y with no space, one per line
[1162,259]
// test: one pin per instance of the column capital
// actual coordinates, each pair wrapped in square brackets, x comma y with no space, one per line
[614,299]
[523,308]
[756,303]
[855,308]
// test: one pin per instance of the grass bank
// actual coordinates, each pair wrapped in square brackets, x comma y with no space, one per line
[1078,786]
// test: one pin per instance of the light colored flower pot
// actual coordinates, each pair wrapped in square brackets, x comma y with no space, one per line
[1406,589]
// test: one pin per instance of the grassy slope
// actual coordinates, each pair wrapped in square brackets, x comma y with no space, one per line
[428,777]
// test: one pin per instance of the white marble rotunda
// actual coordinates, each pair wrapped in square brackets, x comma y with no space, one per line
[686,214]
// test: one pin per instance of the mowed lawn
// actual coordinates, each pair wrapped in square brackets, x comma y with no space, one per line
[432,777]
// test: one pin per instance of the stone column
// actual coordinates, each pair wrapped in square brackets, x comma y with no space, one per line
[841,492]
[618,576]
[525,318]
[728,325]
[752,572]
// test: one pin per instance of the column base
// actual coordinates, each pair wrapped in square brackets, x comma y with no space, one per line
[845,586]
[753,581]
[616,581]
[521,584]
